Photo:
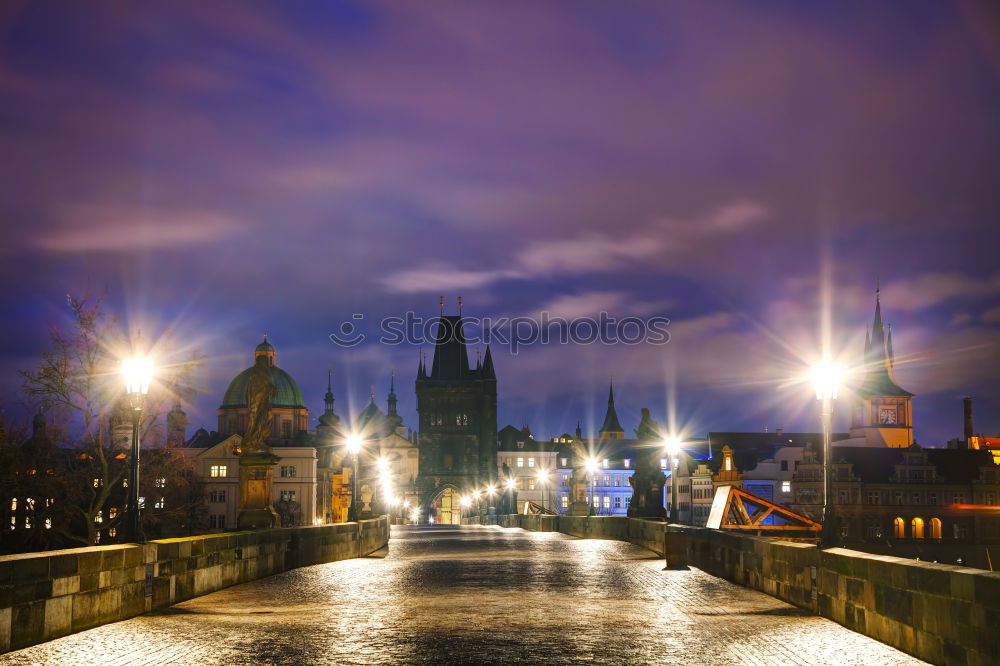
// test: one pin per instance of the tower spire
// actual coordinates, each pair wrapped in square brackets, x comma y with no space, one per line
[612,427]
[328,398]
[392,392]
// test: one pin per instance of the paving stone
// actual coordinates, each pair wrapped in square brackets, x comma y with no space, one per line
[476,595]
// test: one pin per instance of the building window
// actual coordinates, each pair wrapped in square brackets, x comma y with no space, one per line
[597,502]
[564,462]
[531,484]
[935,528]
[98,483]
[932,499]
[784,465]
[917,528]
[565,502]
[897,497]
[663,463]
[786,486]
[520,462]
[604,463]
[607,502]
[217,521]
[874,497]
[531,462]
[507,461]
[287,471]
[607,480]
[958,498]
[160,503]
[218,471]
[914,498]
[990,499]
[628,462]
[160,483]
[217,496]
[618,501]
[287,496]
[959,531]
[899,528]
[286,429]
[618,481]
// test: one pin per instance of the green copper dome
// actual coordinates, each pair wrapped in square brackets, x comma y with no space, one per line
[287,391]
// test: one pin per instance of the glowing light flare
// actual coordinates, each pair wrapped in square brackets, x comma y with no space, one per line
[137,373]
[353,444]
[592,465]
[673,446]
[511,484]
[465,501]
[827,378]
[491,491]
[543,476]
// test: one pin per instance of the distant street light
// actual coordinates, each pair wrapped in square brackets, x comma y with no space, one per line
[137,373]
[354,448]
[592,468]
[673,447]
[827,378]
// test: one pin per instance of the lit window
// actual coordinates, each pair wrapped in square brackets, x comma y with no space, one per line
[597,502]
[531,462]
[565,502]
[142,502]
[27,522]
[605,463]
[160,483]
[99,518]
[112,532]
[288,471]
[607,480]
[48,523]
[520,462]
[13,504]
[287,495]
[112,513]
[607,502]
[160,503]
[98,483]
[786,486]
[663,463]
[563,462]
[531,484]
[218,471]
[628,462]
[13,523]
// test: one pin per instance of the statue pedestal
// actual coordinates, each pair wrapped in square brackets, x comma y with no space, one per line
[578,504]
[256,502]
[578,509]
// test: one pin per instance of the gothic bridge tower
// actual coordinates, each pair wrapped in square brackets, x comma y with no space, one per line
[457,410]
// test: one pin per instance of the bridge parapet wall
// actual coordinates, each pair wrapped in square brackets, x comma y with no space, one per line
[51,594]
[941,613]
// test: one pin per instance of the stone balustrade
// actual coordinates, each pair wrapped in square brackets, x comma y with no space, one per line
[941,613]
[51,594]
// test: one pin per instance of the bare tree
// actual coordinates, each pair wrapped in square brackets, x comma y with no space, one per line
[79,376]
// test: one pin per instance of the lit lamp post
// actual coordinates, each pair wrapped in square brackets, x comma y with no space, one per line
[826,378]
[673,446]
[512,503]
[543,478]
[465,502]
[137,373]
[592,470]
[354,448]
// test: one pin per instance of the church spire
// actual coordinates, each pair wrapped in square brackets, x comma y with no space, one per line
[328,398]
[611,428]
[487,371]
[392,392]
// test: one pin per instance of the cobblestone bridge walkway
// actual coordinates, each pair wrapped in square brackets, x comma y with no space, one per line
[476,595]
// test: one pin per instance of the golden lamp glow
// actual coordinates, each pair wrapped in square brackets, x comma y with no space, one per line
[137,373]
[592,465]
[673,446]
[510,484]
[827,378]
[465,502]
[353,444]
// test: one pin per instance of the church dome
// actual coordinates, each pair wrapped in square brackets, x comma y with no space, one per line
[287,393]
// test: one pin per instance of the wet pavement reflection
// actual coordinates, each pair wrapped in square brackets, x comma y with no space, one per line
[476,595]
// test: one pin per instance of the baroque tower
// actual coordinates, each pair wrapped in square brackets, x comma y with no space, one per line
[883,413]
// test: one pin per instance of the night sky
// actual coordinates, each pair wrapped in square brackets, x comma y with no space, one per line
[224,170]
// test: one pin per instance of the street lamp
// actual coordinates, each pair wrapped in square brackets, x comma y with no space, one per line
[673,446]
[354,448]
[466,502]
[592,470]
[137,372]
[543,478]
[827,378]
[509,503]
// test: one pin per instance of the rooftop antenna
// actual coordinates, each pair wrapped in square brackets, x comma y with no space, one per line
[459,306]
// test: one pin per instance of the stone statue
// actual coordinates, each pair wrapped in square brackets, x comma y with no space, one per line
[260,391]
[648,479]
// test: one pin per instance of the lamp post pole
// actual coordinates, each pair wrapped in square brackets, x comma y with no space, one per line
[354,448]
[673,446]
[827,377]
[137,373]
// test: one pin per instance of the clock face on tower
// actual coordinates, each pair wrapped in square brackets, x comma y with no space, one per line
[887,415]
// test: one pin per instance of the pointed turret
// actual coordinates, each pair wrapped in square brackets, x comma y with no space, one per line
[487,371]
[392,393]
[421,368]
[611,428]
[579,431]
[888,349]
